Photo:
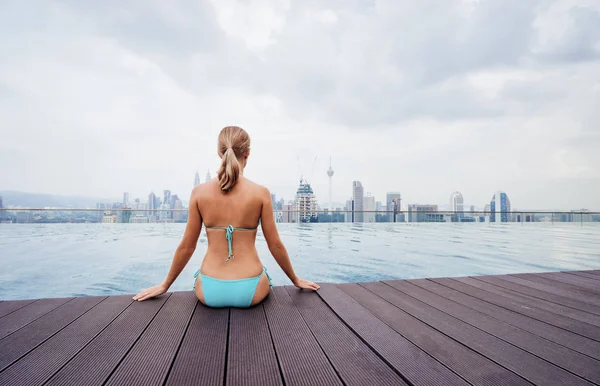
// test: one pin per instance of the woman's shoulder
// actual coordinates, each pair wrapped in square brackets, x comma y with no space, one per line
[255,187]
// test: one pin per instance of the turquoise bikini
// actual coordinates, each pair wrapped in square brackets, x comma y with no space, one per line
[229,293]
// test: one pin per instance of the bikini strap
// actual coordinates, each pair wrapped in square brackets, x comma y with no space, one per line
[229,236]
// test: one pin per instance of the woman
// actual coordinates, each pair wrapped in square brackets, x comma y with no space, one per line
[230,207]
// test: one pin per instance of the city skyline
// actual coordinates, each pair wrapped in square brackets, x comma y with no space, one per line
[100,102]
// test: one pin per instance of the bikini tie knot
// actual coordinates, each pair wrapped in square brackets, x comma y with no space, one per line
[229,236]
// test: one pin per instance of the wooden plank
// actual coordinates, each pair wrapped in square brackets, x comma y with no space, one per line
[149,361]
[251,358]
[556,283]
[94,363]
[511,312]
[27,338]
[473,367]
[524,289]
[25,315]
[591,285]
[354,361]
[553,289]
[519,361]
[415,365]
[202,355]
[556,354]
[532,302]
[301,359]
[7,307]
[584,274]
[40,364]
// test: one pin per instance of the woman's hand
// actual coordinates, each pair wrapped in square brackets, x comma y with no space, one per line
[151,292]
[301,283]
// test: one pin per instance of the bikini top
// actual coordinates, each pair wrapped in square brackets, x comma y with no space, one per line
[229,236]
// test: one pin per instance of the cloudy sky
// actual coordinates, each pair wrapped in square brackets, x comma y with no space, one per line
[425,98]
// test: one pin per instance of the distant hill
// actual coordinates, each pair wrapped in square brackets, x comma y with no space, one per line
[37,200]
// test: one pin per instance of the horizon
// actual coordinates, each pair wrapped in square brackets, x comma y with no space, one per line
[323,204]
[100,98]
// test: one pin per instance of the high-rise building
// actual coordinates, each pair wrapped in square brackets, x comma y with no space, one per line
[330,175]
[358,194]
[152,205]
[369,207]
[197,179]
[2,212]
[500,207]
[424,213]
[126,199]
[286,214]
[393,204]
[178,214]
[167,197]
[305,203]
[456,202]
[349,211]
[174,199]
[207,178]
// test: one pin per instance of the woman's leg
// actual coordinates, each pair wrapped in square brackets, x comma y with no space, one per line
[262,289]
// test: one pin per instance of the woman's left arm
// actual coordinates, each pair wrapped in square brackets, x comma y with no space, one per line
[184,252]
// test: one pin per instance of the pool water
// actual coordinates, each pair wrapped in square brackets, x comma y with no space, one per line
[58,260]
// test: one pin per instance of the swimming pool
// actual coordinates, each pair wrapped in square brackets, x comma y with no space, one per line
[57,260]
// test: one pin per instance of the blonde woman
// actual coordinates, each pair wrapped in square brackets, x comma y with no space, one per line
[230,207]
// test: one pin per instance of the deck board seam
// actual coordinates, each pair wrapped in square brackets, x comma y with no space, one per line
[496,336]
[23,306]
[581,288]
[442,332]
[134,342]
[273,344]
[317,341]
[380,355]
[87,344]
[227,346]
[534,296]
[187,326]
[49,337]
[518,313]
[41,316]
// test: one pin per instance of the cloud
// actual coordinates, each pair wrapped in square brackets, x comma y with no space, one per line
[419,97]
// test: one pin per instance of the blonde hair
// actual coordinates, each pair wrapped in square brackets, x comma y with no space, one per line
[234,143]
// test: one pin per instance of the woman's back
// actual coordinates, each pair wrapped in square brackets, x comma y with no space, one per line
[240,208]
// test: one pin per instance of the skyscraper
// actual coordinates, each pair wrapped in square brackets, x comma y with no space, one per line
[305,203]
[330,175]
[456,202]
[167,197]
[174,199]
[2,212]
[358,194]
[456,206]
[207,178]
[369,206]
[197,179]
[151,203]
[126,199]
[500,207]
[393,204]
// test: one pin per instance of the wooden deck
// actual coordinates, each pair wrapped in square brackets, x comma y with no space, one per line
[523,329]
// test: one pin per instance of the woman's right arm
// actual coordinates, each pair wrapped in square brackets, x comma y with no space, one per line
[183,253]
[276,247]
